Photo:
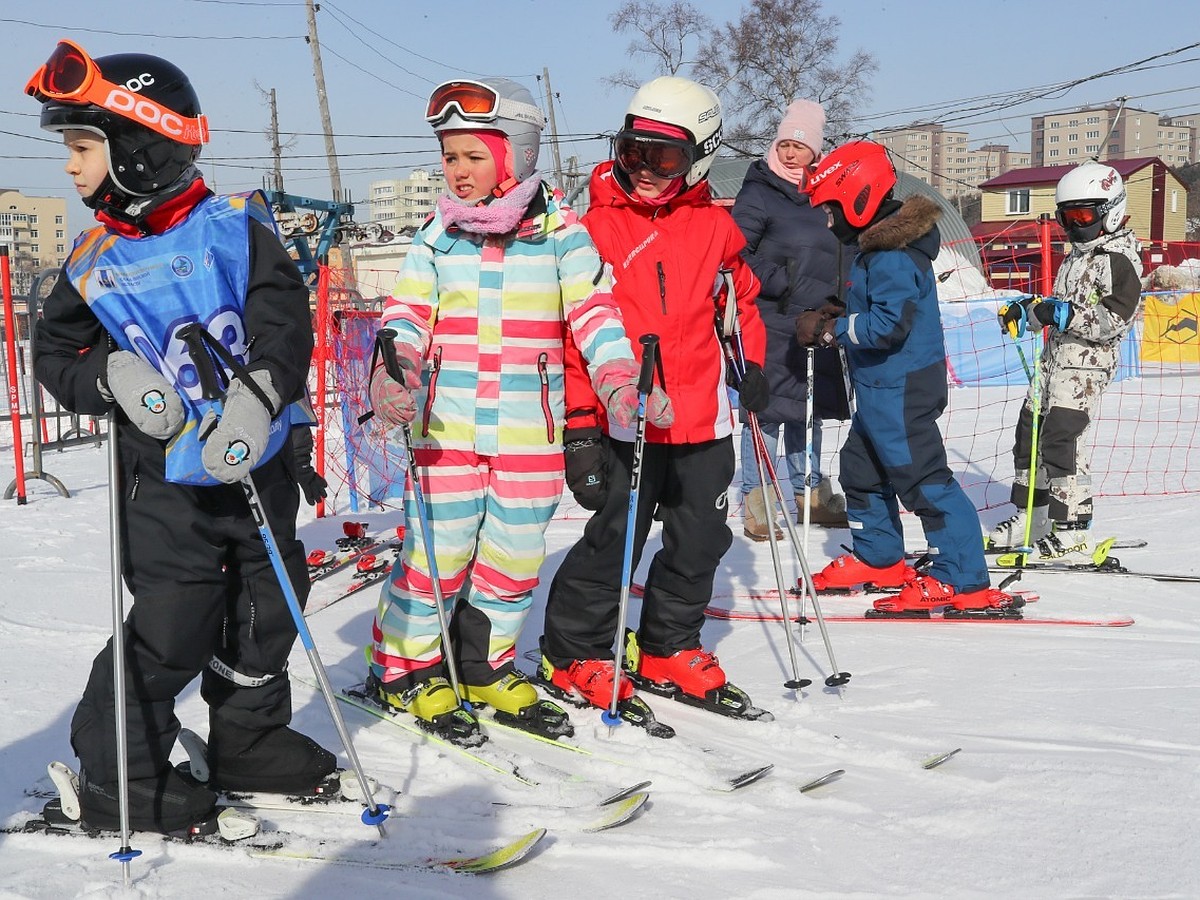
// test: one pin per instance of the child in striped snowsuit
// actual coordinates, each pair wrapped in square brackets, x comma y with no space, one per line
[494,282]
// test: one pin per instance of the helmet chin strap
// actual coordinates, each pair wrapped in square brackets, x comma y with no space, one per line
[122,206]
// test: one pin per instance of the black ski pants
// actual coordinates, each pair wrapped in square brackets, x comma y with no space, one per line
[688,485]
[203,592]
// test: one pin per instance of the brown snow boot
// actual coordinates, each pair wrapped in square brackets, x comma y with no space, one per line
[826,509]
[754,510]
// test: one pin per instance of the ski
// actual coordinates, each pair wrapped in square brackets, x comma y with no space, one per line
[1011,562]
[823,780]
[225,827]
[934,761]
[1117,544]
[1010,617]
[355,544]
[502,857]
[496,762]
[369,569]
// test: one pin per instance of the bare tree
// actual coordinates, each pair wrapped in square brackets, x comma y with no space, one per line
[668,35]
[777,52]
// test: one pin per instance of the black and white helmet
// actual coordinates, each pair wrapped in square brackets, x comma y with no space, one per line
[141,161]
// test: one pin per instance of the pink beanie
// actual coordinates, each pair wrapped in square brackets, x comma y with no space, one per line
[803,121]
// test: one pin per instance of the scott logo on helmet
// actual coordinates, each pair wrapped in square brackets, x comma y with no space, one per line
[124,102]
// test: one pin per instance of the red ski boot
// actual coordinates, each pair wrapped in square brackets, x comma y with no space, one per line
[925,593]
[585,681]
[589,682]
[691,676]
[694,672]
[848,571]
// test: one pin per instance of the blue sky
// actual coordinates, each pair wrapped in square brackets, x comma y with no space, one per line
[936,58]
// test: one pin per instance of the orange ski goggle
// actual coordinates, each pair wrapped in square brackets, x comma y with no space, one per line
[71,76]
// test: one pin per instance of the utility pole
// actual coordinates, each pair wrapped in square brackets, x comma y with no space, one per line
[276,150]
[335,177]
[553,129]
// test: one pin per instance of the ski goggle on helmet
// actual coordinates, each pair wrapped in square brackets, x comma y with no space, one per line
[664,157]
[475,101]
[71,76]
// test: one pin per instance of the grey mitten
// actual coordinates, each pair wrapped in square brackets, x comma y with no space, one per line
[235,441]
[144,395]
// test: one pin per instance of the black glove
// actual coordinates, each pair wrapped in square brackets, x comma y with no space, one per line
[754,393]
[311,483]
[814,328]
[586,460]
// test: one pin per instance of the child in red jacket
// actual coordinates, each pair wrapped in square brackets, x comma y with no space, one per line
[653,221]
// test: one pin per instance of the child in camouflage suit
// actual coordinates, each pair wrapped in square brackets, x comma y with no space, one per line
[1097,293]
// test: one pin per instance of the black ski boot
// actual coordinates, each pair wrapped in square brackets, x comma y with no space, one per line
[166,803]
[278,760]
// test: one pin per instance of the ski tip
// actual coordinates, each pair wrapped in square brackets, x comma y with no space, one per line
[617,814]
[934,761]
[823,780]
[624,793]
[500,858]
[748,777]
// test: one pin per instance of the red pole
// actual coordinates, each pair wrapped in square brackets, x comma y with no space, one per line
[14,396]
[1047,256]
[321,360]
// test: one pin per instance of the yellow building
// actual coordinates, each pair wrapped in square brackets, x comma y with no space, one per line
[1157,199]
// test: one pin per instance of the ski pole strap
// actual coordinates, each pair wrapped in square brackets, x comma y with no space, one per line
[650,359]
[203,347]
[729,326]
[193,336]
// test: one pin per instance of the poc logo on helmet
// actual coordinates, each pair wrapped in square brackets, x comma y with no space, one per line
[123,102]
[137,82]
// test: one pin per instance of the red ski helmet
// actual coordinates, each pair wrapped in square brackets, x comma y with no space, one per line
[857,176]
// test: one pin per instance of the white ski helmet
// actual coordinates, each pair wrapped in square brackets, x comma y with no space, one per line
[1090,200]
[686,105]
[492,103]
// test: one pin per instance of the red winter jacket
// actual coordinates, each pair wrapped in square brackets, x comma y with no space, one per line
[666,264]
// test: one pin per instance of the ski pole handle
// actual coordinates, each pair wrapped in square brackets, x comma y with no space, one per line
[385,344]
[192,336]
[650,358]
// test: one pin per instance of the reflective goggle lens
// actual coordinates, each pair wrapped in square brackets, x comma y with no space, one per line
[66,71]
[664,158]
[1079,216]
[471,99]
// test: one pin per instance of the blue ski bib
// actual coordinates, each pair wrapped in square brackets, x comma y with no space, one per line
[144,290]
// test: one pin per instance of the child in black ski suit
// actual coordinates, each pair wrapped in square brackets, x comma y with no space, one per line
[167,253]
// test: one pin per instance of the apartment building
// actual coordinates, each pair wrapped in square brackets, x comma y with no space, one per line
[400,204]
[1110,133]
[942,159]
[35,231]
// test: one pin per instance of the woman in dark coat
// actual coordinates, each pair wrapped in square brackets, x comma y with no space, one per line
[797,259]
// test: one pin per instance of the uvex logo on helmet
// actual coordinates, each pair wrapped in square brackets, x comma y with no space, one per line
[821,176]
[123,102]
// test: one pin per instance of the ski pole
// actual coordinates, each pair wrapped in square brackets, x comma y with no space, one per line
[809,399]
[645,384]
[198,341]
[760,453]
[730,334]
[385,346]
[125,853]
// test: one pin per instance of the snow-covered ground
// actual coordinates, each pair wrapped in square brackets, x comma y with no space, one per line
[1079,774]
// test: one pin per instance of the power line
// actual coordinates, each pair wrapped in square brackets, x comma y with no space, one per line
[172,37]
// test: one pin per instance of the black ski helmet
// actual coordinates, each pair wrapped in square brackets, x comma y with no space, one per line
[141,161]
